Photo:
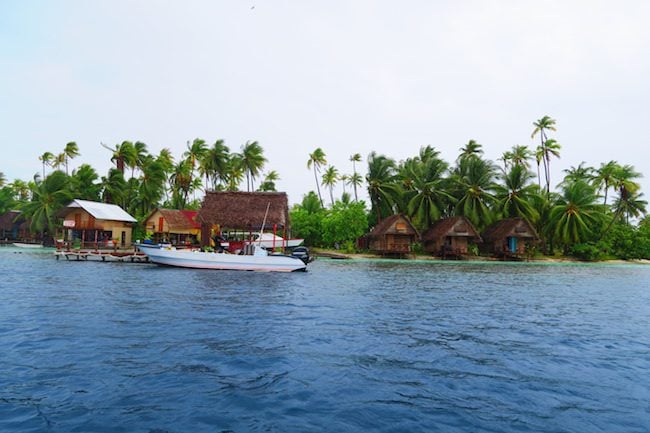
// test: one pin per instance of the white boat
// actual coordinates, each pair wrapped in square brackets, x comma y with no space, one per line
[26,245]
[271,241]
[258,259]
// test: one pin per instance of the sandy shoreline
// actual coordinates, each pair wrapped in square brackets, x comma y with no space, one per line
[337,254]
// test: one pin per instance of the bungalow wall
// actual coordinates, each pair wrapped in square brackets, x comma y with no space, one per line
[156,223]
[392,243]
[78,220]
[158,226]
[510,244]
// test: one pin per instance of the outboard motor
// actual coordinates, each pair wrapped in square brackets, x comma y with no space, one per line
[302,253]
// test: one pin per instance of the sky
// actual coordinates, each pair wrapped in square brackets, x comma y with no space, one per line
[349,77]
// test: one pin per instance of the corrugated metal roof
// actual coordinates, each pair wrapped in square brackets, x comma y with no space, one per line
[103,211]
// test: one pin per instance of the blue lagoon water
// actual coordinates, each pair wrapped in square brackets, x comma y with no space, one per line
[385,346]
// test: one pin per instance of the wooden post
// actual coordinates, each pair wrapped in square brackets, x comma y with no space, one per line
[275,229]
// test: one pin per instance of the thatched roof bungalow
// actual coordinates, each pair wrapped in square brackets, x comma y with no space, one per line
[11,228]
[10,225]
[394,235]
[245,211]
[509,238]
[176,226]
[450,237]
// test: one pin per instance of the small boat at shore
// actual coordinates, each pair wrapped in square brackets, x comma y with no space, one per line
[27,245]
[253,259]
[270,241]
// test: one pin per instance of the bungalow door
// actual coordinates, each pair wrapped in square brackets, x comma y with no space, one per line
[512,244]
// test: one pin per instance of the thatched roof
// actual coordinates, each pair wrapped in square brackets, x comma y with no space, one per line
[178,219]
[8,219]
[243,210]
[453,226]
[515,227]
[389,226]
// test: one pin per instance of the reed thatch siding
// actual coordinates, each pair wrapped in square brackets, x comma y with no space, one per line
[242,211]
[509,237]
[10,224]
[450,236]
[393,236]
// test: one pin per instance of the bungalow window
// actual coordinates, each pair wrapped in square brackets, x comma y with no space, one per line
[400,227]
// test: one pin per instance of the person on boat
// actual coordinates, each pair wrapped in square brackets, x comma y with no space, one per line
[218,238]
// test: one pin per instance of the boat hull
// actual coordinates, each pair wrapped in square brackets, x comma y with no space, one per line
[223,261]
[26,245]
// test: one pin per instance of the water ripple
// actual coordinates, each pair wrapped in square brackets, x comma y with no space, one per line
[386,346]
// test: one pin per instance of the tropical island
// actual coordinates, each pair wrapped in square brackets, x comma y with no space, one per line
[592,213]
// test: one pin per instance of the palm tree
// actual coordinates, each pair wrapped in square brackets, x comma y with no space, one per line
[123,154]
[582,173]
[269,181]
[473,183]
[539,157]
[471,149]
[234,172]
[83,183]
[520,155]
[427,196]
[629,205]
[21,188]
[506,158]
[152,184]
[629,202]
[330,177]
[166,159]
[382,185]
[344,178]
[46,159]
[195,151]
[214,163]
[515,196]
[605,177]
[253,161]
[575,213]
[48,197]
[70,151]
[129,156]
[317,159]
[548,149]
[544,124]
[114,187]
[58,161]
[3,179]
[356,180]
[141,154]
[181,183]
[355,158]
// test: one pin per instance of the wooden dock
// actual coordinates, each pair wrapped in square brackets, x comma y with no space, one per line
[330,255]
[102,256]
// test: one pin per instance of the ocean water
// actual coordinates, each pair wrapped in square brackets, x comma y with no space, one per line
[349,346]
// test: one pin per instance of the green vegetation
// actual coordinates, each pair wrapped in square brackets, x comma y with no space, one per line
[596,213]
[139,182]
